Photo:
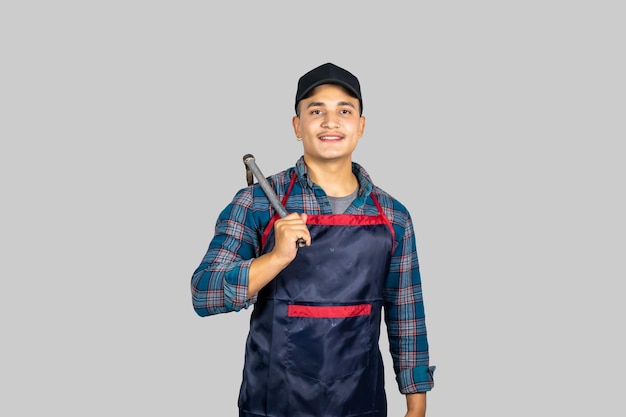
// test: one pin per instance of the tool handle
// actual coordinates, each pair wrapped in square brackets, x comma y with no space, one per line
[250,162]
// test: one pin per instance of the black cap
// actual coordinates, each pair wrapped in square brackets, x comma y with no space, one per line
[328,74]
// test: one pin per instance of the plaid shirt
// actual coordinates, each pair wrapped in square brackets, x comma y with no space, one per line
[220,283]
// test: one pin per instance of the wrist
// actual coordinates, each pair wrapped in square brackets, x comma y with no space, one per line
[416,404]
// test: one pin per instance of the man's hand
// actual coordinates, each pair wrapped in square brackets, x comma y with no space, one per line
[287,231]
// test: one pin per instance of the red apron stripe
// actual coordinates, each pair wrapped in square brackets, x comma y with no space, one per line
[329,311]
[344,219]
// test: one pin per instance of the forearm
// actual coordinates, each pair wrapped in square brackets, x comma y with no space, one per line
[220,283]
[262,270]
[416,405]
[286,232]
[220,288]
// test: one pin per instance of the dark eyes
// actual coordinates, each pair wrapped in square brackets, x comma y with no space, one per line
[342,111]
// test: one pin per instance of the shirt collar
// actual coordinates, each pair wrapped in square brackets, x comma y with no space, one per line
[365,181]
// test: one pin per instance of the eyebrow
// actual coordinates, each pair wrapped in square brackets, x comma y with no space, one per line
[322,104]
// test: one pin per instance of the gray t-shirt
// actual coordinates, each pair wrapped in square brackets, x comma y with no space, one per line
[340,204]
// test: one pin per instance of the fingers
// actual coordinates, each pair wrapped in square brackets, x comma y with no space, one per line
[287,231]
[304,241]
[292,228]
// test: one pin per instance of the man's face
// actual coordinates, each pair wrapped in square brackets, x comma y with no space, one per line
[329,124]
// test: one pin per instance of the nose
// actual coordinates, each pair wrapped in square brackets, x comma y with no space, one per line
[330,121]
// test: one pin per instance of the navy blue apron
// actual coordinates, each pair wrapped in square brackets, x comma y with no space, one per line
[312,349]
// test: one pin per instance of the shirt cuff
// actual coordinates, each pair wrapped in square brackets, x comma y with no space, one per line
[236,287]
[418,379]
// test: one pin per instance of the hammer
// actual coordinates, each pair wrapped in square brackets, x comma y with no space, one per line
[252,168]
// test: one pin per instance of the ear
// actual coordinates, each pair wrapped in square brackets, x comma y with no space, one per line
[361,126]
[295,122]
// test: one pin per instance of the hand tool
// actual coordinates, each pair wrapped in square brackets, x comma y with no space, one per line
[252,167]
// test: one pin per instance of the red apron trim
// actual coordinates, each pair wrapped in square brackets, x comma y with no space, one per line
[328,311]
[386,220]
[345,219]
[334,219]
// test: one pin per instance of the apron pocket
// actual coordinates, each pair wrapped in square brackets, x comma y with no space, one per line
[328,342]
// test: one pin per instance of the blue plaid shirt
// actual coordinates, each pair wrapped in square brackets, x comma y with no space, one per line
[220,283]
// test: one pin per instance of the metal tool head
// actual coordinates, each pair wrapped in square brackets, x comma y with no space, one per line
[249,176]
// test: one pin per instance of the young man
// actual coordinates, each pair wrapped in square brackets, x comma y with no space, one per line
[312,349]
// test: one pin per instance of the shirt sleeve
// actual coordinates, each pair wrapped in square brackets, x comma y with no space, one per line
[220,283]
[404,314]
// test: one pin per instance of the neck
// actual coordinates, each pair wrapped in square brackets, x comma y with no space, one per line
[337,180]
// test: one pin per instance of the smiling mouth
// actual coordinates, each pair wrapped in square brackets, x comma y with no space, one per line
[330,137]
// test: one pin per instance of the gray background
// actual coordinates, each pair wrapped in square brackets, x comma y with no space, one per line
[500,125]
